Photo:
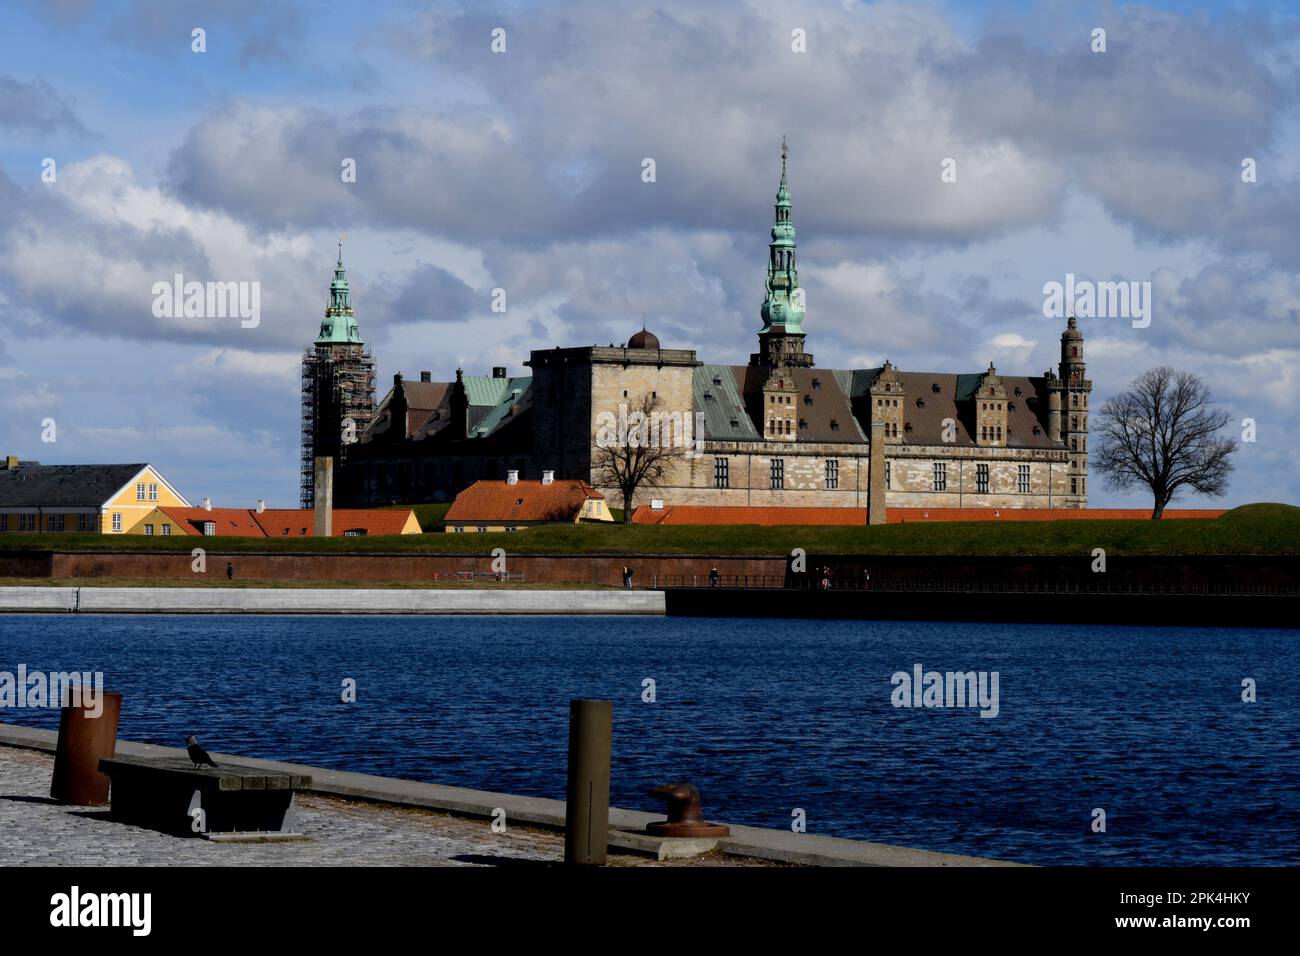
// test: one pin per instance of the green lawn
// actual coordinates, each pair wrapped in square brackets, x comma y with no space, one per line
[1251,529]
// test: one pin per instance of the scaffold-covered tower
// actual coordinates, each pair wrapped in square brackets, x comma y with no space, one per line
[338,386]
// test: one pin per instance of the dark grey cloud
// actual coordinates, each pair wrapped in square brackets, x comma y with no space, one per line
[36,107]
[432,294]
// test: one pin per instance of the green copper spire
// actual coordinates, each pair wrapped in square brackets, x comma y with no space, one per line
[339,325]
[783,305]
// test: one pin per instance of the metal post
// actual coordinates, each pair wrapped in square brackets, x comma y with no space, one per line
[83,740]
[586,808]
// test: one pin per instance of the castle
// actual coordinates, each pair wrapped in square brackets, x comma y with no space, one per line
[777,432]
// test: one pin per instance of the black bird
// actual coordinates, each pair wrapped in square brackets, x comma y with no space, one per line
[197,753]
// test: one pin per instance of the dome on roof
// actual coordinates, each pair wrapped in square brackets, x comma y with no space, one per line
[643,340]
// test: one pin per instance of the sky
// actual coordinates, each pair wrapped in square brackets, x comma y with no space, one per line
[522,169]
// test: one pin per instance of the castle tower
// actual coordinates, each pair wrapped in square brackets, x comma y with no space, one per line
[1069,406]
[780,341]
[338,386]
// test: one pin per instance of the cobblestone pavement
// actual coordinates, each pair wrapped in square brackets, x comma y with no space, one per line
[36,831]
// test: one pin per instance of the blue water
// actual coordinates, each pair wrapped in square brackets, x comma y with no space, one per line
[765,716]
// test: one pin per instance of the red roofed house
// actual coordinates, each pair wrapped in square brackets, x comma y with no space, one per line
[273,522]
[513,505]
[348,522]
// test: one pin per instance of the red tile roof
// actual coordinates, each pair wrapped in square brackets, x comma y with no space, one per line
[525,501]
[901,515]
[230,522]
[287,522]
[769,517]
[707,514]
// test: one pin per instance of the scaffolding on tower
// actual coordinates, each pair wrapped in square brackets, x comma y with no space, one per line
[338,384]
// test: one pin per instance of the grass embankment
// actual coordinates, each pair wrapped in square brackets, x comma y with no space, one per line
[1263,529]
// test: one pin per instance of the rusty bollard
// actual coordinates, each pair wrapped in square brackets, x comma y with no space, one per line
[684,816]
[83,740]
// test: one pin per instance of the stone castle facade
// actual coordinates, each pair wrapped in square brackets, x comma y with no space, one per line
[777,432]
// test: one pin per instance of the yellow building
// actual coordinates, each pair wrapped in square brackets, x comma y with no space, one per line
[107,499]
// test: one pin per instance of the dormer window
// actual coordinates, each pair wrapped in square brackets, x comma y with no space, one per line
[807,399]
[816,384]
[716,380]
[835,424]
[920,402]
[934,387]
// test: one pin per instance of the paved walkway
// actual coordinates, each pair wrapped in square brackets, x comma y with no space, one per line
[36,831]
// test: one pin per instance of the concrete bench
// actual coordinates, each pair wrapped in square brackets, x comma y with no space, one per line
[226,802]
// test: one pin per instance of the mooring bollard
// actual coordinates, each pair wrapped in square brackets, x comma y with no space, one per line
[586,808]
[83,740]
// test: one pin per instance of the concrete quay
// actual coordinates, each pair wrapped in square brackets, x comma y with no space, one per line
[234,600]
[745,845]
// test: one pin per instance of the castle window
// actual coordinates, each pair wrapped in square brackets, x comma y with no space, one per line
[984,433]
[888,475]
[1074,444]
[999,433]
[940,476]
[778,474]
[625,393]
[1083,486]
[832,474]
[1074,486]
[1074,399]
[982,478]
[721,472]
[1074,422]
[1022,484]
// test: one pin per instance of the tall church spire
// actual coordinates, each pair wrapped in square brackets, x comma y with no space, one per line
[339,326]
[781,338]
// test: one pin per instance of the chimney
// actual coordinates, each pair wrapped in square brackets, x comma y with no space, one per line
[207,503]
[512,477]
[11,462]
[261,505]
[498,371]
[548,477]
[426,376]
[323,503]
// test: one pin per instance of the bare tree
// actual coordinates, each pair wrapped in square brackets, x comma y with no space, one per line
[1162,433]
[638,448]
